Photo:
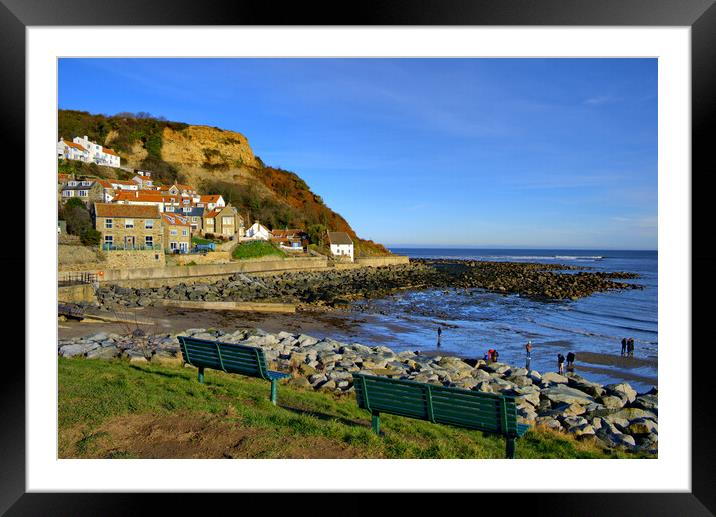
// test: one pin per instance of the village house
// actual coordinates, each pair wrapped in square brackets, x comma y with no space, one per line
[144,180]
[224,221]
[128,227]
[123,185]
[290,239]
[257,231]
[177,233]
[177,189]
[195,214]
[108,190]
[341,245]
[210,201]
[97,153]
[165,203]
[89,191]
[67,150]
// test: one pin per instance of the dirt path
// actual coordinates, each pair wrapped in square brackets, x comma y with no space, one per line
[189,435]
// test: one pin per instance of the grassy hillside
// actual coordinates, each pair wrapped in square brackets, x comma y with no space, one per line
[217,161]
[113,409]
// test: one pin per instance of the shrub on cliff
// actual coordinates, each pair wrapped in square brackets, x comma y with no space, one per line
[90,237]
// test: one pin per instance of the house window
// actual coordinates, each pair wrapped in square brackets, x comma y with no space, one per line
[194,218]
[108,223]
[185,232]
[172,245]
[108,240]
[227,221]
[82,193]
[172,232]
[86,183]
[129,223]
[148,224]
[149,241]
[68,193]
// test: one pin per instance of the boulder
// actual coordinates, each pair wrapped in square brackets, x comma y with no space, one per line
[627,414]
[622,387]
[564,394]
[554,378]
[582,430]
[612,401]
[648,402]
[590,388]
[300,382]
[548,422]
[305,340]
[72,350]
[642,426]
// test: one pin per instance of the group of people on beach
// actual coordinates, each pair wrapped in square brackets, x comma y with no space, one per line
[570,362]
[627,347]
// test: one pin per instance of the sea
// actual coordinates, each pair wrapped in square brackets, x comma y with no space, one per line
[474,320]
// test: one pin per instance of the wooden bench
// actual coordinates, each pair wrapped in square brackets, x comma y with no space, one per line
[230,358]
[487,412]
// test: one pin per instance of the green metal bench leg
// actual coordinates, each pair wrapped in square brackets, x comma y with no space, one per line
[201,375]
[510,454]
[375,421]
[273,391]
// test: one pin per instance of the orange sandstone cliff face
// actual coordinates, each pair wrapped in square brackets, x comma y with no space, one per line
[199,146]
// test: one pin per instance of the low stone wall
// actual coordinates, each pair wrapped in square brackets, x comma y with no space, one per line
[76,293]
[391,260]
[133,259]
[214,257]
[231,306]
[210,270]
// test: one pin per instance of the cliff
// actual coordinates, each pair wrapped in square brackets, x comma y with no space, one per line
[215,161]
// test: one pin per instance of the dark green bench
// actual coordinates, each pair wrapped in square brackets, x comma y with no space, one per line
[229,357]
[487,412]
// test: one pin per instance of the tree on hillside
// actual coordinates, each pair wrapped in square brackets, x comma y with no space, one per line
[316,234]
[78,219]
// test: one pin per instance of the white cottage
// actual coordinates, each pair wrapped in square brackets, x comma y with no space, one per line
[341,245]
[258,232]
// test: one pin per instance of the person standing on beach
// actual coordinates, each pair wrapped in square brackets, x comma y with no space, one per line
[560,363]
[624,346]
[630,347]
[440,331]
[570,361]
[528,349]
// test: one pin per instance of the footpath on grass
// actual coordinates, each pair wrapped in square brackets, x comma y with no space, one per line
[612,417]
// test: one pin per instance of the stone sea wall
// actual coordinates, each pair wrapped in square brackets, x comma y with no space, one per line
[613,415]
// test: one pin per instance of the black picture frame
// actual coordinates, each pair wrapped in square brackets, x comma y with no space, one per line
[700,15]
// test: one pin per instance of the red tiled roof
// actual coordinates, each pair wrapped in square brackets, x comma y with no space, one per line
[213,213]
[104,183]
[143,195]
[339,238]
[115,210]
[109,151]
[209,198]
[76,146]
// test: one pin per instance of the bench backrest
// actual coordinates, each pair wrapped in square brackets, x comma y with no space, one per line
[488,412]
[229,357]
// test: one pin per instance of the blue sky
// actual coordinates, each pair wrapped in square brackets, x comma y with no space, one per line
[448,152]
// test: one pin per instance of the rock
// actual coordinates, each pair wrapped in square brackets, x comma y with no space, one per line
[100,336]
[72,350]
[564,394]
[305,340]
[328,385]
[548,422]
[624,388]
[103,353]
[642,426]
[627,414]
[648,402]
[554,378]
[480,375]
[521,380]
[590,388]
[570,409]
[612,402]
[306,370]
[582,430]
[573,421]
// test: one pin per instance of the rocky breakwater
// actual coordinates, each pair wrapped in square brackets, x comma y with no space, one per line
[336,288]
[530,279]
[614,415]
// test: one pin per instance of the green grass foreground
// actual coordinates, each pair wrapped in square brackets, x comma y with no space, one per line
[113,409]
[256,249]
